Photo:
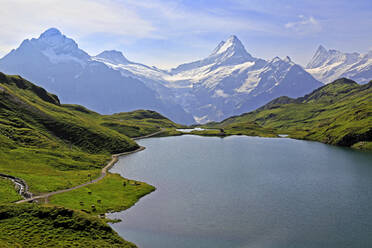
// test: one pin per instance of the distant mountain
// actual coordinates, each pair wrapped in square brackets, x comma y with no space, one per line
[329,65]
[152,77]
[230,52]
[229,81]
[338,113]
[56,63]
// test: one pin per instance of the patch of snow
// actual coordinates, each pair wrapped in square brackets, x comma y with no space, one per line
[189,130]
[60,58]
[251,82]
[329,65]
[202,119]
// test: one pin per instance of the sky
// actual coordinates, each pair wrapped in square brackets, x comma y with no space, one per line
[168,33]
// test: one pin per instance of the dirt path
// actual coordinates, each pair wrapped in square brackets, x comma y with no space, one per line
[149,135]
[104,172]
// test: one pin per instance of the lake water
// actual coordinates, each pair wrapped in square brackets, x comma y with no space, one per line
[248,192]
[189,130]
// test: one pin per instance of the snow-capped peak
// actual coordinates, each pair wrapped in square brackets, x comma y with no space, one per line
[278,61]
[113,56]
[50,33]
[57,47]
[231,47]
[287,59]
[227,53]
[54,38]
[275,60]
[329,65]
[320,56]
[321,50]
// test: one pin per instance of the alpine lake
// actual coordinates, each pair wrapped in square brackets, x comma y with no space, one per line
[240,192]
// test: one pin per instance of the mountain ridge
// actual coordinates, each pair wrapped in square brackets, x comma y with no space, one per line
[329,65]
[56,63]
[227,82]
[338,113]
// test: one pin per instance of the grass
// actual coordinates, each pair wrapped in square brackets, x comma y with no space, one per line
[108,195]
[54,146]
[49,146]
[30,225]
[46,170]
[8,192]
[363,145]
[238,128]
[339,113]
[138,123]
[169,132]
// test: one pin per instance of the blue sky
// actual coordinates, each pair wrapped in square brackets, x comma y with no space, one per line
[167,33]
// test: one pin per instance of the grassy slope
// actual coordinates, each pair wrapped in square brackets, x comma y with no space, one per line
[48,145]
[138,123]
[339,113]
[236,128]
[31,225]
[101,195]
[8,192]
[53,146]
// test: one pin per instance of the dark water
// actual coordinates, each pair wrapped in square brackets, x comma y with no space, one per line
[248,192]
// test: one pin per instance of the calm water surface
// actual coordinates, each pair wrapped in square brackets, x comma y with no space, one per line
[248,192]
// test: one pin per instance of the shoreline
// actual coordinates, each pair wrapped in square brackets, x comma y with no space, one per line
[288,136]
[104,171]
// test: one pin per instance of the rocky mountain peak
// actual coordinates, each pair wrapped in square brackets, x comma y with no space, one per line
[114,56]
[231,47]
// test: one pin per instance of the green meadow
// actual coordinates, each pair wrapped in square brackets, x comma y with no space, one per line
[339,113]
[32,225]
[54,146]
[112,194]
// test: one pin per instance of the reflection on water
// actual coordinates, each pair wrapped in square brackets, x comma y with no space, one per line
[248,192]
[189,130]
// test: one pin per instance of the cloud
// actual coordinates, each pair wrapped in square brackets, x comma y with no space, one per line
[24,18]
[176,18]
[124,20]
[87,16]
[220,93]
[305,25]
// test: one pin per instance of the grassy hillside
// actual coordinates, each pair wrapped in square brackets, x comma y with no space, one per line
[7,192]
[98,198]
[54,146]
[30,225]
[48,145]
[339,113]
[138,123]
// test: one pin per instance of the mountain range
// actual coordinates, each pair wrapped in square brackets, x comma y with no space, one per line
[329,65]
[56,63]
[230,81]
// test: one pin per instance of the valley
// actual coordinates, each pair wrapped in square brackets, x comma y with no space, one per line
[53,147]
[185,124]
[62,151]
